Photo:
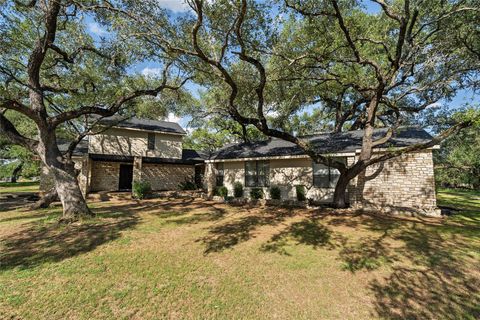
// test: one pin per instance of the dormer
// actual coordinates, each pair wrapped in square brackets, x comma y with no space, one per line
[137,137]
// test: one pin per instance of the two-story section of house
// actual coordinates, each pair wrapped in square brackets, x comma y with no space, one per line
[135,150]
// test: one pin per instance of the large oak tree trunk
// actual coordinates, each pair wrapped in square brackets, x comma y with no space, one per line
[339,196]
[74,204]
[65,180]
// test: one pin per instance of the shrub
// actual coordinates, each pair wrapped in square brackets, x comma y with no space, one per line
[188,185]
[221,191]
[301,193]
[238,190]
[275,193]
[140,189]
[256,193]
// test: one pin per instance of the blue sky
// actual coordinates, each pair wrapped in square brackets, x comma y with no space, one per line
[177,7]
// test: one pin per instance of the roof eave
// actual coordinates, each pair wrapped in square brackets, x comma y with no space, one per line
[303,156]
[146,130]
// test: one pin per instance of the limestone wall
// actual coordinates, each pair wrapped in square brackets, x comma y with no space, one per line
[104,176]
[134,143]
[399,184]
[166,176]
[285,174]
[402,184]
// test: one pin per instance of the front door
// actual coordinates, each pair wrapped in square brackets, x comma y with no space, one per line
[126,176]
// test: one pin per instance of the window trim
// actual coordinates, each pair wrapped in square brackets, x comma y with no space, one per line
[330,183]
[151,141]
[218,175]
[265,175]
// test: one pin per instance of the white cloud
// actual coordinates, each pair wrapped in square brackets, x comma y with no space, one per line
[151,72]
[95,28]
[174,5]
[272,113]
[434,105]
[173,118]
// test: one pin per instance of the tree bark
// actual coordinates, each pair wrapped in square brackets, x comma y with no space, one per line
[45,200]
[339,196]
[65,180]
[16,173]
[74,204]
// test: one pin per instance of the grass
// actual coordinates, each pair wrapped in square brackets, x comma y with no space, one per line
[459,199]
[183,259]
[25,186]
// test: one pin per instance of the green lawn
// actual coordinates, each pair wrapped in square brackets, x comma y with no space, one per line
[458,198]
[26,186]
[182,259]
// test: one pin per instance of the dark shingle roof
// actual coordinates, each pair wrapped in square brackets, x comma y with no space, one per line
[189,157]
[142,124]
[192,155]
[323,143]
[80,149]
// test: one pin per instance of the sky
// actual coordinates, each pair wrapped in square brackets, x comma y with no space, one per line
[178,7]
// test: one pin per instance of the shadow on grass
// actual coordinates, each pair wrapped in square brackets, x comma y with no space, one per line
[13,201]
[432,269]
[232,233]
[306,232]
[434,272]
[411,293]
[46,242]
[213,215]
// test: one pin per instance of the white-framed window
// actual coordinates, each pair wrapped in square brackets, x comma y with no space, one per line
[257,173]
[326,176]
[220,174]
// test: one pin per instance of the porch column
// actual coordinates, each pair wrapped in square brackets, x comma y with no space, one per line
[209,180]
[137,169]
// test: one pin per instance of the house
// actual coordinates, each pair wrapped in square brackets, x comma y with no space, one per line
[152,151]
[133,150]
[401,184]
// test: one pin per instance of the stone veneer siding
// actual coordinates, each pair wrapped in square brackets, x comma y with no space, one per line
[105,176]
[284,173]
[404,183]
[166,176]
[135,143]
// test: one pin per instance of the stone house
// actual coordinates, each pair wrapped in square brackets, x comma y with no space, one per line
[152,151]
[133,150]
[404,183]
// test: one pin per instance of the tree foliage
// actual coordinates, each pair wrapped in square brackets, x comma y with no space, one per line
[56,74]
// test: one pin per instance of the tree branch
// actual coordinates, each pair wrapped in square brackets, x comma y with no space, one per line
[8,130]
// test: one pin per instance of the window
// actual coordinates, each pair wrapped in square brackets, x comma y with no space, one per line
[151,141]
[220,173]
[257,173]
[326,176]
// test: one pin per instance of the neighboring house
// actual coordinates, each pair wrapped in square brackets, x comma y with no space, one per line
[152,151]
[399,184]
[134,150]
